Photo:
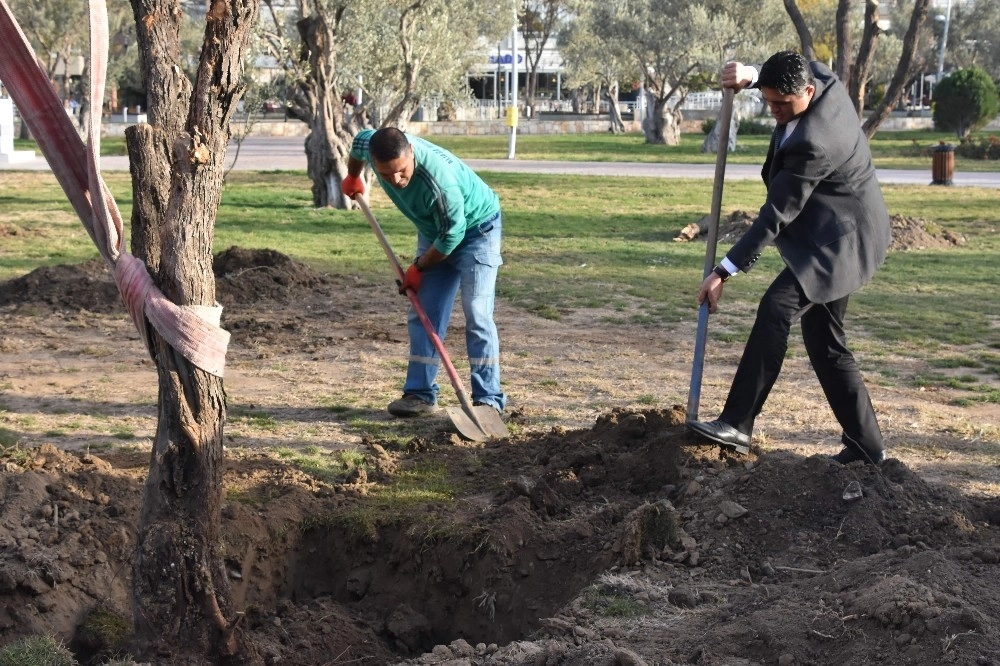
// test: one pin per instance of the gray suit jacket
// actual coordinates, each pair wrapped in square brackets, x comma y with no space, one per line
[824,209]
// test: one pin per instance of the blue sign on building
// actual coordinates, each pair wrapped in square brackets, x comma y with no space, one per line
[504,59]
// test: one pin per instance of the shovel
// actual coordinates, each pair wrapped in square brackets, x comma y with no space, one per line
[725,118]
[477,423]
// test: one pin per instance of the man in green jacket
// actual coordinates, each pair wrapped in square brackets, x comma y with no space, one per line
[458,223]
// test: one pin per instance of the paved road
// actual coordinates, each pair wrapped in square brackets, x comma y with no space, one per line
[284,153]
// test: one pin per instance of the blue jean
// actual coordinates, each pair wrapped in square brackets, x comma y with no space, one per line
[472,268]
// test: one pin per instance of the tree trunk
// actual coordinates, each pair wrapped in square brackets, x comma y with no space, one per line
[844,46]
[530,89]
[319,103]
[401,111]
[180,592]
[83,115]
[862,68]
[805,37]
[711,142]
[661,125]
[897,86]
[617,125]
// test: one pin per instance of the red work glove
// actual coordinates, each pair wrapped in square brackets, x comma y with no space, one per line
[352,185]
[412,279]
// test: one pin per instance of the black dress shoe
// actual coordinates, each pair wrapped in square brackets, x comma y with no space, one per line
[850,454]
[722,433]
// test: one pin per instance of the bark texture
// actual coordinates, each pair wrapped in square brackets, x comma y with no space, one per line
[855,77]
[857,84]
[801,29]
[319,103]
[842,66]
[180,590]
[897,85]
[610,93]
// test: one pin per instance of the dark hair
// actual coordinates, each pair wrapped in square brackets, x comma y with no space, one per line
[787,72]
[387,144]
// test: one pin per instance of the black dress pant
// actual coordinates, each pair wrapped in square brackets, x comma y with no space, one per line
[834,364]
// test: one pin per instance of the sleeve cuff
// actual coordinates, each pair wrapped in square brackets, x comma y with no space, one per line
[729,266]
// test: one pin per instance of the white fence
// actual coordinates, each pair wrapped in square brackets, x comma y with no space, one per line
[746,103]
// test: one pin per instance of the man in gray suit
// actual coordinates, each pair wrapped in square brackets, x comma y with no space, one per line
[825,213]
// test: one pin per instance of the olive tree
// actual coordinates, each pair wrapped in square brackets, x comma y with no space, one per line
[540,21]
[590,64]
[397,52]
[676,45]
[855,67]
[975,36]
[180,588]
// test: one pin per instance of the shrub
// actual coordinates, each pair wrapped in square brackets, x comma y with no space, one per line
[755,126]
[747,126]
[986,148]
[965,101]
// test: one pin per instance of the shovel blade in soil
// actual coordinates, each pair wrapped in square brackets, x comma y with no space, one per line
[489,426]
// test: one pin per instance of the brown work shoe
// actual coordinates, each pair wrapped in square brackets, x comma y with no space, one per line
[411,405]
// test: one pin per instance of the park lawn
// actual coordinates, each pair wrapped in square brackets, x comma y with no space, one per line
[891,150]
[572,242]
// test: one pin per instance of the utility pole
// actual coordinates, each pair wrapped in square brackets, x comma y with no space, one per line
[944,42]
[512,109]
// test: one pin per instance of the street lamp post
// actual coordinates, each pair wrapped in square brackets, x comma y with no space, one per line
[512,109]
[944,42]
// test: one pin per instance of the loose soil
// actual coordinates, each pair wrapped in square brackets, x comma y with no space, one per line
[599,534]
[908,233]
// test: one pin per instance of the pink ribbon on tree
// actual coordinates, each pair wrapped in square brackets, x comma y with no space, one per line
[193,331]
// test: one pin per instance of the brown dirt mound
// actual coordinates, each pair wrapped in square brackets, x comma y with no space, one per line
[243,277]
[910,233]
[86,286]
[246,276]
[907,233]
[618,544]
[731,227]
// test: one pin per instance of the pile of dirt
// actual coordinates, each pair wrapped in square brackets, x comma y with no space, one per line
[243,277]
[621,543]
[87,286]
[908,233]
[247,276]
[731,227]
[618,544]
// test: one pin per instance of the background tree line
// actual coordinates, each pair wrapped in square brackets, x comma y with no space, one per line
[345,64]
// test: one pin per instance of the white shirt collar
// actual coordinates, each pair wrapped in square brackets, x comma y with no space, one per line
[789,128]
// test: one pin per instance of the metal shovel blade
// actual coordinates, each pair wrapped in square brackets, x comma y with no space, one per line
[479,424]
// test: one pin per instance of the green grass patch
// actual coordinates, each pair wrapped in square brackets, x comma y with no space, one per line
[401,501]
[110,145]
[36,651]
[571,243]
[608,603]
[890,150]
[322,465]
[8,438]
